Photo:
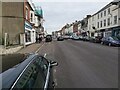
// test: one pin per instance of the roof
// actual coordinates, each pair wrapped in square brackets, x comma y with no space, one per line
[39,12]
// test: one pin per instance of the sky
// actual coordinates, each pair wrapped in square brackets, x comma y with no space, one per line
[58,13]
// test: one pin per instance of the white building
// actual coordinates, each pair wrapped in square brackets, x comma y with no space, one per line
[106,22]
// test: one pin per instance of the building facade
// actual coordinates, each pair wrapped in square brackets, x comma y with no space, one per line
[18,23]
[29,15]
[12,22]
[106,22]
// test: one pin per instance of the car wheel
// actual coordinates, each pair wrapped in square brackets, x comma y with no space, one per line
[109,44]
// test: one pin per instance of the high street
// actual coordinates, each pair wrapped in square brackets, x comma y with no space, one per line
[83,64]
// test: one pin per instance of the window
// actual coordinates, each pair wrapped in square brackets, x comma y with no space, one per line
[98,16]
[101,24]
[26,13]
[105,22]
[32,77]
[98,24]
[108,10]
[31,17]
[105,13]
[35,74]
[92,34]
[44,65]
[101,14]
[115,19]
[108,21]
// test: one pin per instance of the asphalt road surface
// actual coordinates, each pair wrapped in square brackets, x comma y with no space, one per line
[83,64]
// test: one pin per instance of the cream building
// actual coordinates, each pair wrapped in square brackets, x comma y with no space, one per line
[106,22]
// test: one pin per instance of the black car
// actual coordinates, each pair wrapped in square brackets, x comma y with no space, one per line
[34,71]
[48,38]
[60,38]
[110,41]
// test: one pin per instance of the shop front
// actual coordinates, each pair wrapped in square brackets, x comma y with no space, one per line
[29,34]
[116,31]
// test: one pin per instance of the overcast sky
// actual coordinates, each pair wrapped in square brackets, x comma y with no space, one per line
[57,14]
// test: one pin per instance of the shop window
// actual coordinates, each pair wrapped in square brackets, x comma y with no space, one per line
[28,36]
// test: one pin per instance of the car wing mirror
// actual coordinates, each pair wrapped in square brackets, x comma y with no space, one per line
[53,63]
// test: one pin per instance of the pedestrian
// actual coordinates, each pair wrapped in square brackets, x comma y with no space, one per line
[40,39]
[37,39]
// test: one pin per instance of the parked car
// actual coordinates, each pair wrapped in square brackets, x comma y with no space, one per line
[60,38]
[75,38]
[48,38]
[66,37]
[81,37]
[110,41]
[92,39]
[34,71]
[86,38]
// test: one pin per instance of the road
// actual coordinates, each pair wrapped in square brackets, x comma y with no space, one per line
[83,64]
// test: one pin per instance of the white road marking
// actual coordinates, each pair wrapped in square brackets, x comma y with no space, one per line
[45,55]
[39,48]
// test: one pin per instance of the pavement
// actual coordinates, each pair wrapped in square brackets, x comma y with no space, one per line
[31,48]
[10,49]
